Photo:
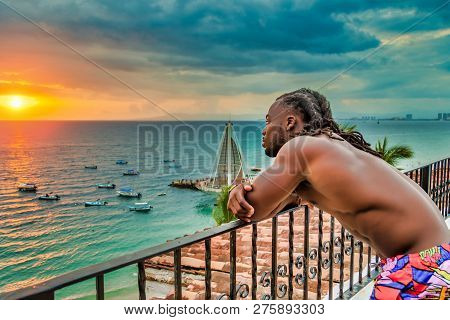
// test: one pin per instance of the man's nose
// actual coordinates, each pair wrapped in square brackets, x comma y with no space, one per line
[264,131]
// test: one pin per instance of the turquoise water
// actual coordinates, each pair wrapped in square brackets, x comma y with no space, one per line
[39,240]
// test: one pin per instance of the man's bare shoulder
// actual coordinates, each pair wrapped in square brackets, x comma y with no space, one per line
[312,147]
[302,153]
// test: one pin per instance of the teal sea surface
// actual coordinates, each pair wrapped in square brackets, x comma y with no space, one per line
[43,239]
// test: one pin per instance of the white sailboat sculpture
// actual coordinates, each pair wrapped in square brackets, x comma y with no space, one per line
[229,166]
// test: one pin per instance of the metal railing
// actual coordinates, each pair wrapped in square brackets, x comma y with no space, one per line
[313,266]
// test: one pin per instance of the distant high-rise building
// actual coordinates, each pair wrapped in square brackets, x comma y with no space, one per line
[445,116]
[439,116]
[409,116]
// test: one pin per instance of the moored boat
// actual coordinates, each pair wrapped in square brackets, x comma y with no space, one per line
[121,162]
[255,169]
[141,207]
[49,197]
[131,172]
[90,167]
[96,203]
[128,192]
[28,187]
[106,185]
[162,194]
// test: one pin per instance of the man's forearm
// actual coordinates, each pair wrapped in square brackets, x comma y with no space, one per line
[289,202]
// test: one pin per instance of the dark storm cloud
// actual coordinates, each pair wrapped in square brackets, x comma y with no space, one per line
[244,36]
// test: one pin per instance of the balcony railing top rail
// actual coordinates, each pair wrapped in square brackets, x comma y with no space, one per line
[433,178]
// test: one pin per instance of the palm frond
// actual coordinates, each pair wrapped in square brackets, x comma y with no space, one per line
[394,154]
[347,127]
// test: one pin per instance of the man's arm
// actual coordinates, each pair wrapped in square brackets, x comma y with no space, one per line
[276,184]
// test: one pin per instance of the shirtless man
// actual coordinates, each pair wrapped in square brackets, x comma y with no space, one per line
[339,173]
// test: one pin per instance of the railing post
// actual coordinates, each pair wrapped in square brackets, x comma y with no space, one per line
[100,287]
[341,263]
[274,273]
[291,255]
[306,253]
[254,260]
[425,178]
[233,265]
[177,273]
[319,258]
[141,280]
[208,269]
[331,258]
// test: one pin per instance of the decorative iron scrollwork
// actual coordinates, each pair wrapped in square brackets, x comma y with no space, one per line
[223,296]
[265,279]
[312,272]
[348,236]
[326,246]
[282,290]
[348,251]
[337,257]
[266,297]
[300,261]
[313,254]
[282,270]
[338,241]
[299,279]
[326,263]
[242,290]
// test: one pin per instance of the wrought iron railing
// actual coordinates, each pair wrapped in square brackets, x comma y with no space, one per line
[315,264]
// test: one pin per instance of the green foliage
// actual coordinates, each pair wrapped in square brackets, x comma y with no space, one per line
[220,211]
[394,154]
[347,127]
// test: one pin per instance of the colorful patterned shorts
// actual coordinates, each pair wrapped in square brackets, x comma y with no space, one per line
[422,275]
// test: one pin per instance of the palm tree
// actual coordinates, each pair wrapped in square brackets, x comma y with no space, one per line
[347,127]
[220,211]
[394,154]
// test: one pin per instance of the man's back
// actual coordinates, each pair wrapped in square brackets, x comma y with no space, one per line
[373,200]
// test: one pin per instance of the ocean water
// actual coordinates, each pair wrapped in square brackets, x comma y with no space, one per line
[39,239]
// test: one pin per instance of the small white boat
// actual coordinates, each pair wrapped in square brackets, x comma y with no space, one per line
[131,172]
[50,197]
[96,203]
[106,186]
[29,187]
[128,192]
[121,162]
[141,207]
[90,167]
[162,194]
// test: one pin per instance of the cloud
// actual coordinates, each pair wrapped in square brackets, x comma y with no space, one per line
[200,55]
[249,36]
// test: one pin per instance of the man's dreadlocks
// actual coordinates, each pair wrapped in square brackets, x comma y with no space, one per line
[318,119]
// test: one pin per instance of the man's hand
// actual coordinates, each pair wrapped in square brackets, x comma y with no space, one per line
[237,203]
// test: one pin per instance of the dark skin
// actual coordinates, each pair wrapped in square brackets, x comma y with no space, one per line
[373,200]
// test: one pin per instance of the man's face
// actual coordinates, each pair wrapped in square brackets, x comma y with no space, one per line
[276,134]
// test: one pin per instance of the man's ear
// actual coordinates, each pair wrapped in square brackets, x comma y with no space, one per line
[291,122]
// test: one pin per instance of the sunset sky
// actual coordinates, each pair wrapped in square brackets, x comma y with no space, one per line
[220,59]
